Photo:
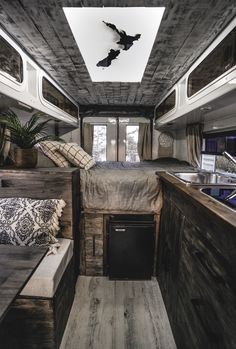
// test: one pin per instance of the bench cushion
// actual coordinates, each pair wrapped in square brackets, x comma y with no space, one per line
[44,281]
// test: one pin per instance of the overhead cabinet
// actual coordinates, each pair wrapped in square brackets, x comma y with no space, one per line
[210,78]
[27,84]
[11,63]
[218,62]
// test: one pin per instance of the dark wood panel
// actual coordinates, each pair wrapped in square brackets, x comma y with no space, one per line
[206,293]
[93,225]
[38,323]
[46,184]
[169,249]
[198,285]
[17,263]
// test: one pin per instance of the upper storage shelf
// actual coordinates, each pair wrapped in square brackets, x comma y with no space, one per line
[23,80]
[212,76]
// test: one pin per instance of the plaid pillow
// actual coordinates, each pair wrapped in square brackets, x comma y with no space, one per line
[76,155]
[50,149]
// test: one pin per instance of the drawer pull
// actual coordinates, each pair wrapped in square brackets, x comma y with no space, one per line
[94,246]
[120,229]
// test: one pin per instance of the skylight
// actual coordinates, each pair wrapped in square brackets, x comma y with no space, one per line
[95,39]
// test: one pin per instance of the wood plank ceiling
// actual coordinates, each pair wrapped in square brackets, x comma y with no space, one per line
[187,28]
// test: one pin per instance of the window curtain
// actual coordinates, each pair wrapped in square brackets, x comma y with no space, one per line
[88,138]
[145,142]
[194,144]
[4,144]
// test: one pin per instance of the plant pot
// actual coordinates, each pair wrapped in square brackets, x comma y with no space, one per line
[25,158]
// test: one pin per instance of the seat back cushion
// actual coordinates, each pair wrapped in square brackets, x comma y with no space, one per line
[28,222]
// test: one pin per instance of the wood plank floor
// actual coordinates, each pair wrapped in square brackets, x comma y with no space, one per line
[117,315]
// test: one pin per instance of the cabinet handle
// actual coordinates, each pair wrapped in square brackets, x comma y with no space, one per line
[94,246]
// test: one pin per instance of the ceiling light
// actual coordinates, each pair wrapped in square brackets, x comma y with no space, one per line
[124,120]
[112,120]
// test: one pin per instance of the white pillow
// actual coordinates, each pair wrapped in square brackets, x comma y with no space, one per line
[76,155]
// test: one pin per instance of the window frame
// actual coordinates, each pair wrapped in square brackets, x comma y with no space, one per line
[127,125]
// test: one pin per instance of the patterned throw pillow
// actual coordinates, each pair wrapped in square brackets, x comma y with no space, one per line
[50,149]
[28,222]
[76,155]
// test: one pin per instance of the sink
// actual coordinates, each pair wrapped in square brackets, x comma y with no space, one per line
[226,196]
[205,178]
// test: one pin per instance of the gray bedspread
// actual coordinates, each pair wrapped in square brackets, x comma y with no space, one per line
[124,186]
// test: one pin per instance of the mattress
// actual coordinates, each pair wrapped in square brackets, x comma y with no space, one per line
[115,186]
[46,278]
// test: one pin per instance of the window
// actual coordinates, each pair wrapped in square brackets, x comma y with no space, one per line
[216,143]
[56,97]
[131,153]
[100,142]
[111,139]
[220,60]
[10,61]
[167,105]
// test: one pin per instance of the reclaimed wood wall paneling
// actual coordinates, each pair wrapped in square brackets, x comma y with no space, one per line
[45,185]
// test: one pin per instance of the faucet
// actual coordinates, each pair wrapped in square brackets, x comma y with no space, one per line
[229,157]
[231,195]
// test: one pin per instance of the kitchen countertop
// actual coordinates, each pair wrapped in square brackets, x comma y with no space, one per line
[192,193]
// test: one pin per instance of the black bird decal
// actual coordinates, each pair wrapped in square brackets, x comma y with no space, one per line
[125,40]
[106,62]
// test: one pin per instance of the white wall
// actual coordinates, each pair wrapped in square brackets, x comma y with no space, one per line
[72,136]
[180,145]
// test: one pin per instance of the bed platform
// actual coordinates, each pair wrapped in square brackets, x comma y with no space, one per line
[114,188]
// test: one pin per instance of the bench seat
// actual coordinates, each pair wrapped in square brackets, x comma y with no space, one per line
[46,278]
[38,317]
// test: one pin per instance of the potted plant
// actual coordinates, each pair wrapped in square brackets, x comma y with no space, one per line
[25,137]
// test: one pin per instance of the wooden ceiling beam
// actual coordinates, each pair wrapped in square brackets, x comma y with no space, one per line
[118,110]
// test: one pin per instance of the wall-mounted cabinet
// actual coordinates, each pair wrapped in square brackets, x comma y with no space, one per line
[24,81]
[210,78]
[221,60]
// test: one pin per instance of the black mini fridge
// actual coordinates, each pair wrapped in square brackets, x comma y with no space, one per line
[131,247]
